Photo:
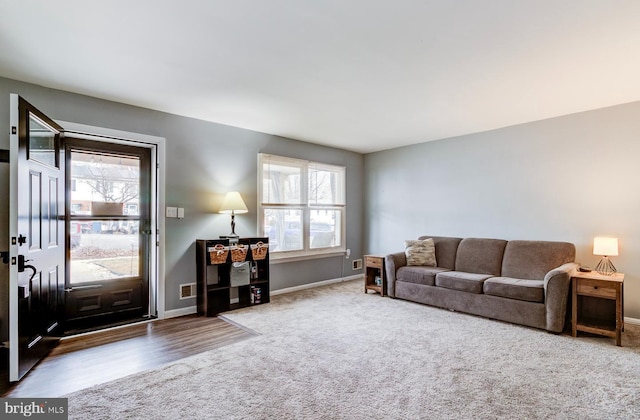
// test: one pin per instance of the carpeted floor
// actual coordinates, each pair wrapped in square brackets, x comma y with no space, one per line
[336,353]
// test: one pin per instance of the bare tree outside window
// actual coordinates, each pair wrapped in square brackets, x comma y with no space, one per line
[110,180]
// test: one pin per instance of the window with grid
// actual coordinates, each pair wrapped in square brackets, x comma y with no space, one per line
[301,205]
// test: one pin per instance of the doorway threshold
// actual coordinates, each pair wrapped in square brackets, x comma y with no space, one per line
[78,332]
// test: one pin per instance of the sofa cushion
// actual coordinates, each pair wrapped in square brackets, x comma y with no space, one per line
[418,274]
[446,249]
[521,289]
[483,256]
[533,259]
[466,282]
[420,252]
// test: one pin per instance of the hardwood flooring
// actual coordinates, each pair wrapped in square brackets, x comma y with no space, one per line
[79,362]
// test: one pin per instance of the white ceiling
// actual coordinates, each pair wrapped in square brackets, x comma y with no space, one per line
[362,75]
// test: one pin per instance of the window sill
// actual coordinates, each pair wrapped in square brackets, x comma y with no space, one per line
[279,258]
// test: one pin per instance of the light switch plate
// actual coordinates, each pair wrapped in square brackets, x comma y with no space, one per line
[172,212]
[180,213]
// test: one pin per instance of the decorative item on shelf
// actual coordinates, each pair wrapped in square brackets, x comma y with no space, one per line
[607,247]
[256,295]
[218,254]
[233,204]
[240,274]
[238,252]
[259,251]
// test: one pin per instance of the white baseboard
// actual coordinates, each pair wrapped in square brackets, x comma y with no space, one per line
[316,284]
[634,321]
[174,313]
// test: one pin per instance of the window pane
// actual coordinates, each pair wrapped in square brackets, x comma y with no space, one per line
[104,250]
[325,228]
[104,185]
[281,183]
[326,185]
[284,229]
[42,142]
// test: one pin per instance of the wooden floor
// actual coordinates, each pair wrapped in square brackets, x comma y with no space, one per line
[80,362]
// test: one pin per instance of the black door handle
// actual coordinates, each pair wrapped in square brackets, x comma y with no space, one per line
[21,263]
[24,290]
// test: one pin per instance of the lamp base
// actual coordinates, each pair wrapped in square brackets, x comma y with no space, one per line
[605,267]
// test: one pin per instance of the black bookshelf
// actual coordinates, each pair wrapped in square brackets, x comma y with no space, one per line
[217,292]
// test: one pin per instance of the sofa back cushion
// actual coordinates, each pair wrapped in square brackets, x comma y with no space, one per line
[531,260]
[446,249]
[479,255]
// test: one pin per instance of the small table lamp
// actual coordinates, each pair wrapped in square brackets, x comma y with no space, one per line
[606,247]
[233,204]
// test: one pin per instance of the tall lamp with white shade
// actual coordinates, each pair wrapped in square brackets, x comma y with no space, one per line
[607,247]
[233,204]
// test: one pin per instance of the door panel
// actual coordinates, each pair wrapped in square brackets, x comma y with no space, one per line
[54,228]
[36,219]
[35,202]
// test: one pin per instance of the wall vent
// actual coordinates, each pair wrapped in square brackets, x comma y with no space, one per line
[356,264]
[188,290]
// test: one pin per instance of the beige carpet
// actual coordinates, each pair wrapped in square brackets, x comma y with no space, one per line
[337,353]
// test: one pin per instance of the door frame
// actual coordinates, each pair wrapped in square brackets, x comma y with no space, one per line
[157,202]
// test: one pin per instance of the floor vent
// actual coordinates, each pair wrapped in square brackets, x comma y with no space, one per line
[187,290]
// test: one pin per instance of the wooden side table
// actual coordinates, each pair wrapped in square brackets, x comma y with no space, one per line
[374,278]
[598,286]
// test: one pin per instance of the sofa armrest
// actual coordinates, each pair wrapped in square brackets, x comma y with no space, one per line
[556,293]
[391,264]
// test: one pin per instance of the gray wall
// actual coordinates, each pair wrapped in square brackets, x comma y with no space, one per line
[204,160]
[568,178]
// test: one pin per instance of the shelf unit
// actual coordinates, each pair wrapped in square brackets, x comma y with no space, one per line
[216,293]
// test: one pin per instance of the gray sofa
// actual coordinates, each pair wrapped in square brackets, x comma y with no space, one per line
[524,282]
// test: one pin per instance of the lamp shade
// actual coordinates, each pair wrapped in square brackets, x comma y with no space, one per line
[605,246]
[233,204]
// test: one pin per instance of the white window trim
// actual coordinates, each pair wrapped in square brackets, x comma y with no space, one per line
[305,254]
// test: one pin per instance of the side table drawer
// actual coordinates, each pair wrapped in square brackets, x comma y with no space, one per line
[595,288]
[373,262]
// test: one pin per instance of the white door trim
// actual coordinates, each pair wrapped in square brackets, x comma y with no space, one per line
[14,119]
[88,132]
